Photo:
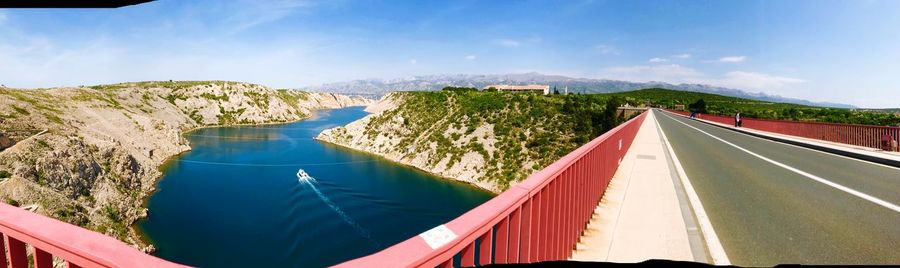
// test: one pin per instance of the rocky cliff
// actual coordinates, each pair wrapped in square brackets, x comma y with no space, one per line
[491,140]
[90,155]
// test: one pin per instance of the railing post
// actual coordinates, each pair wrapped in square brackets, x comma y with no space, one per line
[552,223]
[17,257]
[2,250]
[574,217]
[557,215]
[502,244]
[484,248]
[42,259]
[534,254]
[545,244]
[584,184]
[514,241]
[570,210]
[468,256]
[593,180]
[572,206]
[525,231]
[579,210]
[565,231]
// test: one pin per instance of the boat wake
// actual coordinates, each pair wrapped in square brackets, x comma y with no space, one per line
[359,229]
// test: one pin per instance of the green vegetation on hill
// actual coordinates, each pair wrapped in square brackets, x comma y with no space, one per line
[291,97]
[176,85]
[38,100]
[888,110]
[722,105]
[459,89]
[530,131]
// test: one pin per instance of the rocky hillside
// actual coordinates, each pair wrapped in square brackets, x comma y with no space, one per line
[90,155]
[490,139]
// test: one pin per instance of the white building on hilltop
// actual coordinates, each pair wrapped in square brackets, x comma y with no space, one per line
[545,89]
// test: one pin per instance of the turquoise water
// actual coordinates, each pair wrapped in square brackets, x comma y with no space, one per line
[235,200]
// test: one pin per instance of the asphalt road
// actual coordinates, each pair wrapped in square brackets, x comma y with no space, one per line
[766,214]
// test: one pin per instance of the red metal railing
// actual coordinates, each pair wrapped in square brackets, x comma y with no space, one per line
[859,135]
[77,246]
[539,219]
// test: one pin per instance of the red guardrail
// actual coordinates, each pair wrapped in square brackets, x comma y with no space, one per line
[539,219]
[77,246]
[859,135]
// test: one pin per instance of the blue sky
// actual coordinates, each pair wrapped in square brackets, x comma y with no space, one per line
[839,51]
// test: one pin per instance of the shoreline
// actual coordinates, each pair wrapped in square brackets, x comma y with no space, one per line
[451,179]
[148,246]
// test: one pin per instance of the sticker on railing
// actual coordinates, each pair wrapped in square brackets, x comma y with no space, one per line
[620,144]
[438,236]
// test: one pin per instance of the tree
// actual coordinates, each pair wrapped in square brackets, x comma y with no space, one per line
[555,91]
[698,107]
[611,117]
[491,89]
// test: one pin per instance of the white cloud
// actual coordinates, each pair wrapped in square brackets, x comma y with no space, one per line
[413,61]
[32,60]
[677,74]
[682,56]
[756,81]
[253,13]
[471,57]
[658,60]
[3,17]
[104,61]
[672,73]
[507,42]
[607,49]
[733,59]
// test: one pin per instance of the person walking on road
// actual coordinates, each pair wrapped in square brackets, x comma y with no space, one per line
[737,120]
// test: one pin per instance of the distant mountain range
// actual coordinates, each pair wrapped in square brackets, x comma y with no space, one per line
[379,87]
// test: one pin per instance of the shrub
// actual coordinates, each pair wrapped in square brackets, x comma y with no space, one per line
[11,202]
[43,144]
[20,110]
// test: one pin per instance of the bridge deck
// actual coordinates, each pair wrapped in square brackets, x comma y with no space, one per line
[774,203]
[640,216]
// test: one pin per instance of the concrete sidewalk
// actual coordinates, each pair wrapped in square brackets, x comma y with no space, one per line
[642,215]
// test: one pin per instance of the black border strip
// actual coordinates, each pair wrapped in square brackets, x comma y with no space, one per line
[70,3]
[864,157]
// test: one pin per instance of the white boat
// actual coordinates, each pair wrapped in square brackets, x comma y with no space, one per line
[302,175]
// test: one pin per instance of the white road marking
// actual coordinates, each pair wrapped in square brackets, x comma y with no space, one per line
[716,251]
[846,189]
[796,146]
